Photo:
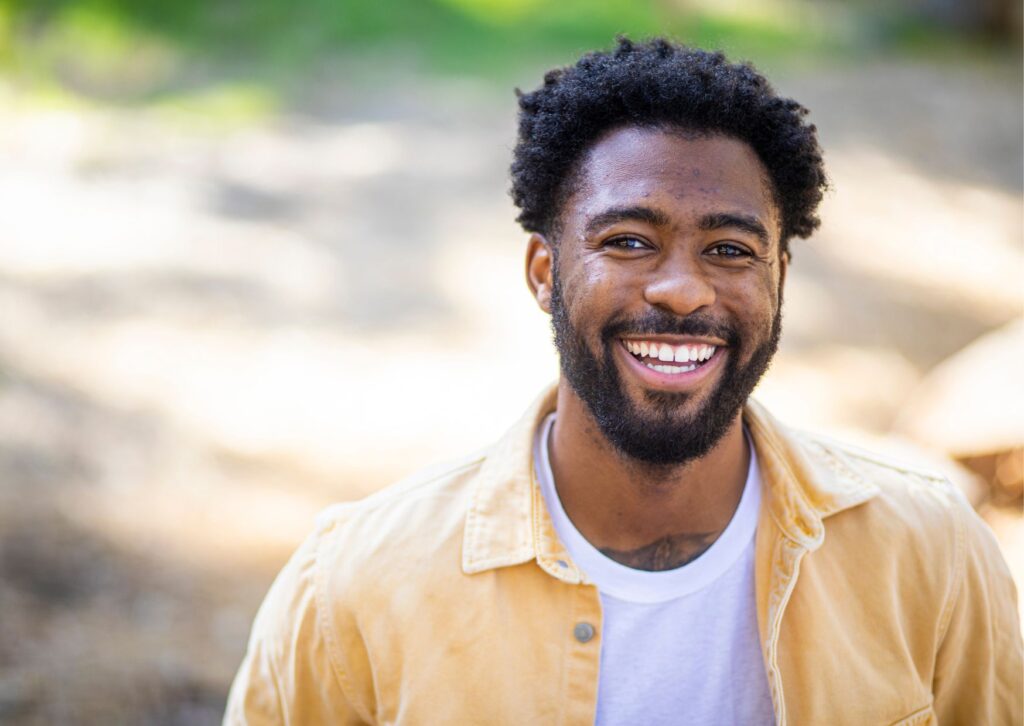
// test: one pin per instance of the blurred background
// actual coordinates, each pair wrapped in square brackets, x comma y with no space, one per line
[258,256]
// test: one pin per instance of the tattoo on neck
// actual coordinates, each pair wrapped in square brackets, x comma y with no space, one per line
[667,553]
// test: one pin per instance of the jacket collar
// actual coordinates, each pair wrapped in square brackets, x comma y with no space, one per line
[805,479]
[507,523]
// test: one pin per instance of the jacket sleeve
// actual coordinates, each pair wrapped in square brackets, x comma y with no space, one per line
[979,674]
[288,675]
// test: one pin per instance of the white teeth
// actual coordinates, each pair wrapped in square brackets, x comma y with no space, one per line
[671,369]
[670,353]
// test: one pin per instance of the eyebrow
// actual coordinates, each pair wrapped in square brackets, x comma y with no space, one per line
[743,222]
[623,214]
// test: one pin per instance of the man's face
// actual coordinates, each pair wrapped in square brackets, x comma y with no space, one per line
[666,288]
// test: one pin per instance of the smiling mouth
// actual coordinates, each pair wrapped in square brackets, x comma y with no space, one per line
[670,359]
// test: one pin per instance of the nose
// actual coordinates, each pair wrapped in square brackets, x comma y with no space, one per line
[679,285]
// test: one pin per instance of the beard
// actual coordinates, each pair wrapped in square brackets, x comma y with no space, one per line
[658,435]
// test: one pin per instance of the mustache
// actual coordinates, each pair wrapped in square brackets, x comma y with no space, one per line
[659,322]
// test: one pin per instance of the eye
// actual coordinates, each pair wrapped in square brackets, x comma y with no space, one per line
[728,249]
[627,243]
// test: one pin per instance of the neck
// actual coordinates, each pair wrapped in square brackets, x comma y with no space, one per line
[644,516]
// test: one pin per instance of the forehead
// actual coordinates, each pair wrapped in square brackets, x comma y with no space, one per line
[682,174]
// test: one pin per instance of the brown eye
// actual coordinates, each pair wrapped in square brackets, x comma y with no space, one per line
[727,249]
[626,243]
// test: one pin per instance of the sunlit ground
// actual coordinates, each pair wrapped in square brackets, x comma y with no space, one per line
[208,334]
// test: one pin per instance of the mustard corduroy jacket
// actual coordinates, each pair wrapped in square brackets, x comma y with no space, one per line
[447,599]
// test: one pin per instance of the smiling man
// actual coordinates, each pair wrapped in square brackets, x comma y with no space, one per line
[648,545]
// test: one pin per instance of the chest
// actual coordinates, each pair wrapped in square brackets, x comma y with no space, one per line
[515,645]
[690,660]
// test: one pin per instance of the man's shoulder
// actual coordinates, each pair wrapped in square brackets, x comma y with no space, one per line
[865,498]
[367,565]
[832,476]
[419,513]
[897,478]
[915,547]
[404,530]
[430,486]
[913,507]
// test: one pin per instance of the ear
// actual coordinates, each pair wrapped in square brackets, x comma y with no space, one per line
[539,262]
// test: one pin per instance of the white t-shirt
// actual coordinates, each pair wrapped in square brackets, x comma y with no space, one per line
[679,646]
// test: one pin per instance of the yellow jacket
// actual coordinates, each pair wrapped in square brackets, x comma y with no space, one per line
[447,599]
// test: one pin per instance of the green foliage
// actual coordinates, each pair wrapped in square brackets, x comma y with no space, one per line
[147,49]
[479,32]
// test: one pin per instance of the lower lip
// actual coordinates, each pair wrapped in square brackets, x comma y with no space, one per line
[672,381]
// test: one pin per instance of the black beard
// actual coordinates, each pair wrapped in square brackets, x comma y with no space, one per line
[661,439]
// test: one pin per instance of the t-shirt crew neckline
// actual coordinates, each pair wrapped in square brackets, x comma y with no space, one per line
[640,586]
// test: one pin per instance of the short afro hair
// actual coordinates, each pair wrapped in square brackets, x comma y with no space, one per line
[661,84]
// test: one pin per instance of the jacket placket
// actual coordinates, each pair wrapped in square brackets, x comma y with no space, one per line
[773,593]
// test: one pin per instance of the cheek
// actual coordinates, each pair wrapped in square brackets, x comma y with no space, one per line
[767,287]
[591,289]
[754,303]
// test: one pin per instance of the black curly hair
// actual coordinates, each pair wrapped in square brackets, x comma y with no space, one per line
[660,84]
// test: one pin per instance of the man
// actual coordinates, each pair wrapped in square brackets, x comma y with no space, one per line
[648,546]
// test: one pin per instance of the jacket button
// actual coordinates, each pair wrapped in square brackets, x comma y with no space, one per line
[583,632]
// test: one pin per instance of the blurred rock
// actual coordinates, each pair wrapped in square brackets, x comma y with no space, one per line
[970,404]
[972,407]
